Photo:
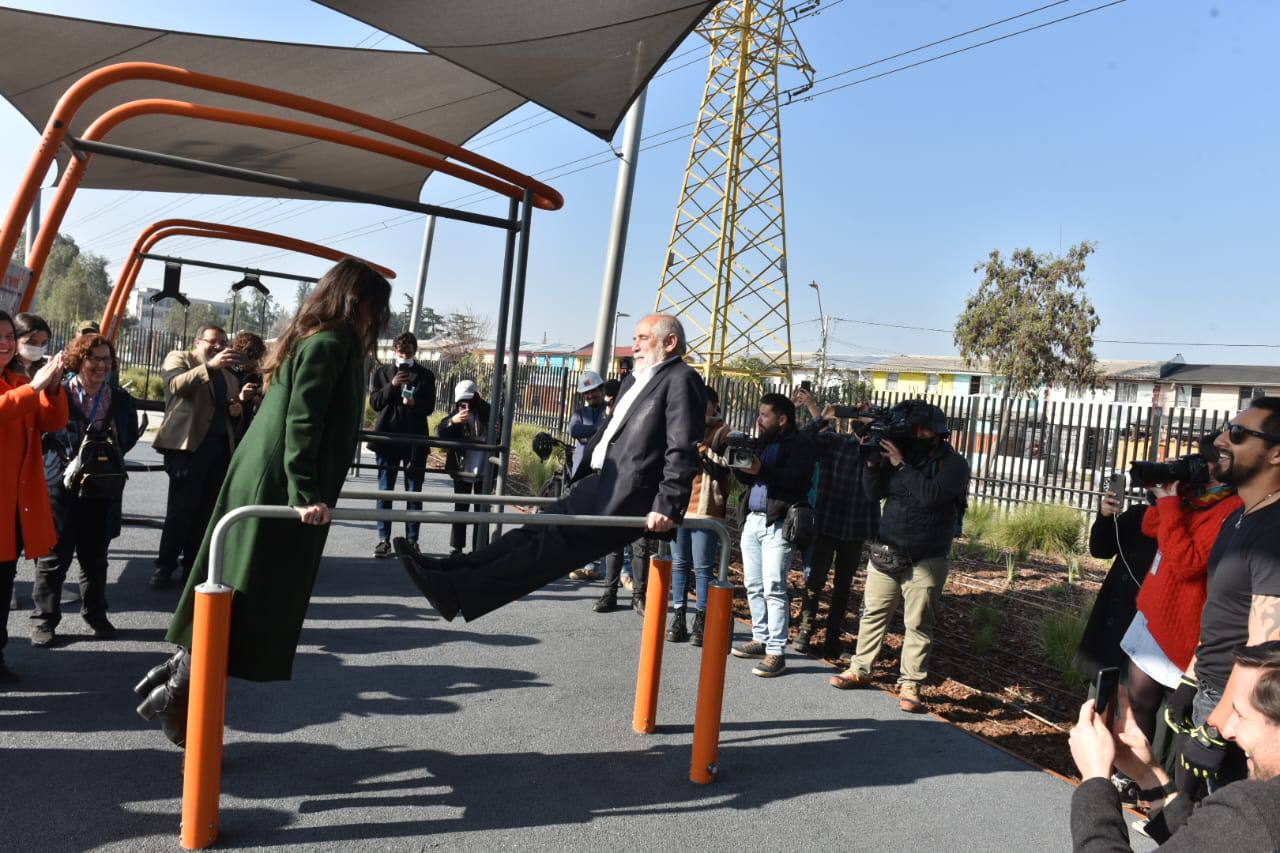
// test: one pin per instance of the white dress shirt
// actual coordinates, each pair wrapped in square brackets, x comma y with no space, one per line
[642,376]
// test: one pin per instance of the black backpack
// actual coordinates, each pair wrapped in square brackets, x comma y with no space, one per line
[97,470]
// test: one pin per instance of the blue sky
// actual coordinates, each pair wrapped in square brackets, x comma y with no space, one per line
[1149,127]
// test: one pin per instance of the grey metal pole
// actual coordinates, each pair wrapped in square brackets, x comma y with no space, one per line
[33,223]
[605,331]
[480,535]
[428,235]
[517,320]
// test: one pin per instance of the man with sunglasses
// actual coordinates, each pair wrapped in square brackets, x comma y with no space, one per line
[1243,597]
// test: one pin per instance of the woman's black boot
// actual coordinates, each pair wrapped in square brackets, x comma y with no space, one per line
[158,675]
[168,701]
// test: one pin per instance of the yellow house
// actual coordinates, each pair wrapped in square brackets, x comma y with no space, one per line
[929,374]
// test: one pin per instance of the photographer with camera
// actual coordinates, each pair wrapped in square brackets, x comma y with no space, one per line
[404,396]
[923,482]
[1190,506]
[1242,602]
[776,466]
[845,517]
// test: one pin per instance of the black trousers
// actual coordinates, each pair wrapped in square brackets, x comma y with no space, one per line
[529,558]
[458,532]
[8,571]
[641,550]
[846,555]
[195,478]
[83,535]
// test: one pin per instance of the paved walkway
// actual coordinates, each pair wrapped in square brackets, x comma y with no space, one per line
[403,732]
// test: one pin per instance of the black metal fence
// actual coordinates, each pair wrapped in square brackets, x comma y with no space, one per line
[1019,450]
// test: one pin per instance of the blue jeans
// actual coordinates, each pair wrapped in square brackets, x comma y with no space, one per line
[765,558]
[694,549]
[388,468]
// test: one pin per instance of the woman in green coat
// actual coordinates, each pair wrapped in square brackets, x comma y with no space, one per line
[295,454]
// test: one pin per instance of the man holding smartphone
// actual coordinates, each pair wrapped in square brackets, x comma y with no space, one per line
[202,410]
[404,396]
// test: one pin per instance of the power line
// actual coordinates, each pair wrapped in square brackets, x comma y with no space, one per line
[814,95]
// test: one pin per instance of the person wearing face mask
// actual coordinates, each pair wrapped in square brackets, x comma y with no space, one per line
[33,342]
[28,407]
[923,483]
[469,421]
[86,521]
[404,396]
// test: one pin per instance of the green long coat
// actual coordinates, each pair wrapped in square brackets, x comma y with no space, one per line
[296,452]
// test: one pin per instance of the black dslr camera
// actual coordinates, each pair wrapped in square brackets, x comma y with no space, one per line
[1193,470]
[741,449]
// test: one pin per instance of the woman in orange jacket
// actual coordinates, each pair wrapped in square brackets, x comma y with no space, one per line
[28,407]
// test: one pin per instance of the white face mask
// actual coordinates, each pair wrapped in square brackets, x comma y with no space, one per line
[31,352]
[405,362]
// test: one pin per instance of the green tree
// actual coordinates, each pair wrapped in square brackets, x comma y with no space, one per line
[300,294]
[74,285]
[1031,322]
[255,311]
[185,321]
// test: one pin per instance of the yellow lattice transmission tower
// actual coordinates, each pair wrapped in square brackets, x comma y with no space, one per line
[726,267]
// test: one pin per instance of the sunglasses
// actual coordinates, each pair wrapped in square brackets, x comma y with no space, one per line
[1236,433]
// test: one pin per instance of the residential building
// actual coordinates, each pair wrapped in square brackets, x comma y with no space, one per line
[145,310]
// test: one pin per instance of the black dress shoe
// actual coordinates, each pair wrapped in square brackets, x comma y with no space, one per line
[161,578]
[168,702]
[434,585]
[102,627]
[637,602]
[606,603]
[158,675]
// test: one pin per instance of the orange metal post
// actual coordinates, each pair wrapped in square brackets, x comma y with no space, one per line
[206,707]
[715,651]
[644,718]
[49,227]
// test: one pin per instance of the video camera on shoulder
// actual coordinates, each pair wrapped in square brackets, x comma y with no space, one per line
[741,449]
[1193,470]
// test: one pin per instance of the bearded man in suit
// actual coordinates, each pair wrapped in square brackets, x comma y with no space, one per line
[640,463]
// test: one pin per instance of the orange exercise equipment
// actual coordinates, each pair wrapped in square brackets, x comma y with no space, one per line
[510,182]
[165,228]
[644,718]
[715,650]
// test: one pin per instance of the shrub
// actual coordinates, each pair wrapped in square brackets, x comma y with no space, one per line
[1060,634]
[980,521]
[135,381]
[1041,527]
[985,621]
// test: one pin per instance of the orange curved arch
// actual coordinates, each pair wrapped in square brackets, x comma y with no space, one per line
[75,96]
[199,228]
[109,120]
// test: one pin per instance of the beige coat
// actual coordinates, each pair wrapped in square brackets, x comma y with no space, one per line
[189,406]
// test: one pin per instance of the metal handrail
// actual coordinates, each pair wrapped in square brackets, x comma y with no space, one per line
[442,497]
[217,541]
[367,435]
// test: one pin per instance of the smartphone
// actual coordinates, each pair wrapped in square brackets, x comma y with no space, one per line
[806,385]
[1116,485]
[1104,697]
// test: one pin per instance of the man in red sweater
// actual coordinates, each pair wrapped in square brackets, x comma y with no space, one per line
[1162,638]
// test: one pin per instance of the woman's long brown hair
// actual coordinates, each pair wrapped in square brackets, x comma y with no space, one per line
[350,294]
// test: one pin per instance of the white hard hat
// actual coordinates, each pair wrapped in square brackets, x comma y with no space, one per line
[465,390]
[590,381]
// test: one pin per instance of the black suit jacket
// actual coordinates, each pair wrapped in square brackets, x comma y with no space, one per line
[653,457]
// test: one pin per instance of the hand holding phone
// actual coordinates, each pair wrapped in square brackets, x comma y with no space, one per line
[1106,686]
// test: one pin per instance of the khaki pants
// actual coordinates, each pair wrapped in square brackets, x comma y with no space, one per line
[921,591]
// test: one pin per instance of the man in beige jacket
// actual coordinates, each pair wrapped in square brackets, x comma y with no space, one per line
[203,404]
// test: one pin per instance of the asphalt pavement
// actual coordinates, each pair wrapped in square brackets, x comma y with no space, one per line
[401,732]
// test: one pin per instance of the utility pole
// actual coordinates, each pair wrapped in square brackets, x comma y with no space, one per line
[602,350]
[822,351]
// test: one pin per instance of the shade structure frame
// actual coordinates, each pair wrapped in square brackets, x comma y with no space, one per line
[59,122]
[211,265]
